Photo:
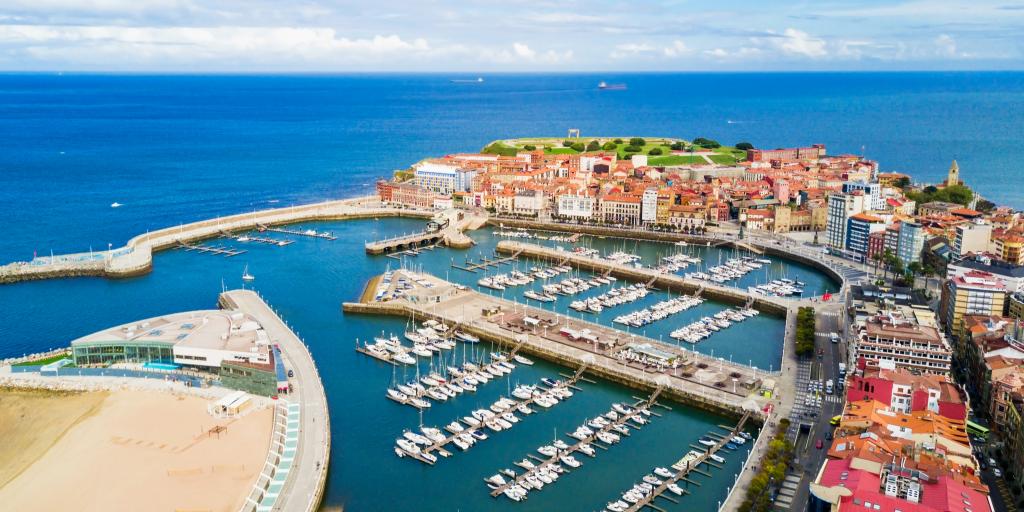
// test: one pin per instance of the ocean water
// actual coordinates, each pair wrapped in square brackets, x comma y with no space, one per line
[181,148]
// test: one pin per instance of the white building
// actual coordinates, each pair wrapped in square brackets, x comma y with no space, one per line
[575,206]
[443,178]
[649,206]
[841,206]
[972,237]
[639,161]
[528,202]
[873,199]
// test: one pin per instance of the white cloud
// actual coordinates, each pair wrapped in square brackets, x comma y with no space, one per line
[716,52]
[625,50]
[798,42]
[521,53]
[946,46]
[676,49]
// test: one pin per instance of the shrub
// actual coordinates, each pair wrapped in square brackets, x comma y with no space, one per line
[567,143]
[578,146]
[654,151]
[632,149]
[617,141]
[744,146]
[805,331]
[609,146]
[706,143]
[637,141]
[529,147]
[593,145]
[677,146]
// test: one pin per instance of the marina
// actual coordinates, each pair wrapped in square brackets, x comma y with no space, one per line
[312,233]
[498,417]
[608,429]
[227,252]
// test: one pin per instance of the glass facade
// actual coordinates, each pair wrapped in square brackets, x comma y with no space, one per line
[115,352]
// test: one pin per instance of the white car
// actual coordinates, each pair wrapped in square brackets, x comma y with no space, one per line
[997,473]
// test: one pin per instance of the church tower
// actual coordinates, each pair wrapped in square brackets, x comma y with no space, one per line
[954,175]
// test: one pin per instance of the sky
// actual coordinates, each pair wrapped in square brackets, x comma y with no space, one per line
[478,36]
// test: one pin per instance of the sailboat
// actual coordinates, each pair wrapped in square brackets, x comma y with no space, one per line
[246,276]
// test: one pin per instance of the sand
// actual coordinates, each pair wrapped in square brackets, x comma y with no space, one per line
[32,421]
[138,450]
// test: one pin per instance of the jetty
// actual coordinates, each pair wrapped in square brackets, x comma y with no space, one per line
[486,263]
[687,465]
[136,256]
[688,377]
[440,446]
[227,252]
[651,277]
[444,228]
[293,480]
[638,408]
[312,233]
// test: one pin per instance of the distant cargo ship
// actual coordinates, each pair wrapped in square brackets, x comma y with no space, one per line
[467,81]
[611,87]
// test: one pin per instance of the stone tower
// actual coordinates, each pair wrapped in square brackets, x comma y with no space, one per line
[954,175]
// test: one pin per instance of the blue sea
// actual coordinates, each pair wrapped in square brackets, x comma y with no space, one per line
[175,149]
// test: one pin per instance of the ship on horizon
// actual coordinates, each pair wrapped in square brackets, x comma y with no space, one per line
[478,80]
[611,87]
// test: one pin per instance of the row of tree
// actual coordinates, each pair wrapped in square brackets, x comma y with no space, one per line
[771,473]
[805,331]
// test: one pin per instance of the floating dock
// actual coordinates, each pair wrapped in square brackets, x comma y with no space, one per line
[227,252]
[312,233]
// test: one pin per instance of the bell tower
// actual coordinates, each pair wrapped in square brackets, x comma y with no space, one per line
[954,175]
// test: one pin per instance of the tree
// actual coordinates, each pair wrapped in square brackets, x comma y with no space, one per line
[744,146]
[617,141]
[706,143]
[578,146]
[632,149]
[654,151]
[593,145]
[901,182]
[567,143]
[984,205]
[609,146]
[529,147]
[637,141]
[677,146]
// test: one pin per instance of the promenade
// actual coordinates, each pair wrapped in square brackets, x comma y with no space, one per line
[136,256]
[304,488]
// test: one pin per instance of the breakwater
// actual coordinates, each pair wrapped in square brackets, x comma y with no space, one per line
[136,256]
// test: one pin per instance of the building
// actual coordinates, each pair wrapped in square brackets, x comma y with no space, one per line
[1011,275]
[687,218]
[620,209]
[910,242]
[904,343]
[859,229]
[938,208]
[575,207]
[649,206]
[873,199]
[953,178]
[876,245]
[780,190]
[437,177]
[971,237]
[841,207]
[814,152]
[972,293]
[1009,247]
[233,345]
[905,391]
[412,195]
[529,203]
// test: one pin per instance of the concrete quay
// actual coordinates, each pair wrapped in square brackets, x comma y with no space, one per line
[700,380]
[672,282]
[452,234]
[136,256]
[304,488]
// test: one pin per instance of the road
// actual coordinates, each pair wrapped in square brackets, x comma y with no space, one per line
[814,406]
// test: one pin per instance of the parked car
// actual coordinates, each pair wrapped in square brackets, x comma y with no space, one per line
[997,472]
[991,461]
[291,373]
[819,444]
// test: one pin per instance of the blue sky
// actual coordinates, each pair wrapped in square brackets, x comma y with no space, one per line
[508,35]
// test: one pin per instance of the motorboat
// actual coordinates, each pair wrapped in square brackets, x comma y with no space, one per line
[716,458]
[706,442]
[547,450]
[663,472]
[397,395]
[570,461]
[675,489]
[651,479]
[466,337]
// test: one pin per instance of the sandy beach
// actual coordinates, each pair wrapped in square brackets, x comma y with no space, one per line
[127,450]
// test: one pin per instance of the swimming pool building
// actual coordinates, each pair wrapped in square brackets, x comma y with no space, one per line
[230,344]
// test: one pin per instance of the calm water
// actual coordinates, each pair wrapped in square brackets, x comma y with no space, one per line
[182,148]
[307,282]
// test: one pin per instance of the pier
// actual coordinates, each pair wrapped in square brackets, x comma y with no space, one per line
[309,232]
[486,263]
[690,466]
[220,251]
[262,240]
[439,446]
[306,474]
[445,228]
[136,256]
[590,440]
[652,278]
[694,378]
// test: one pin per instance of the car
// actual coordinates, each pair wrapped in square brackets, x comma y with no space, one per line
[828,435]
[819,444]
[991,461]
[835,420]
[997,473]
[291,373]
